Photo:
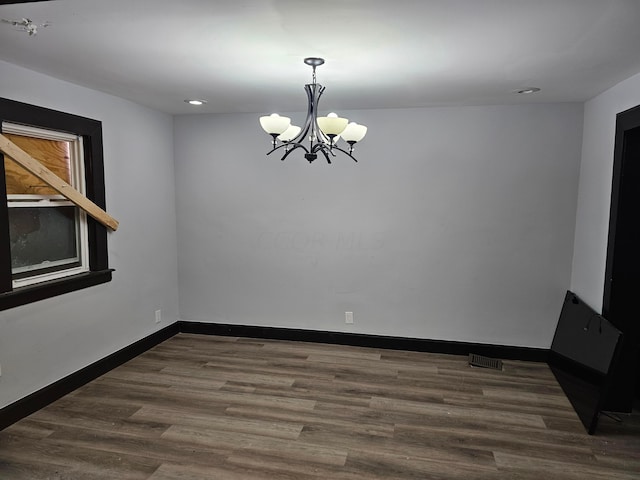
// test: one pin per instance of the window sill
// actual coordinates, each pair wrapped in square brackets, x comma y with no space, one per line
[53,288]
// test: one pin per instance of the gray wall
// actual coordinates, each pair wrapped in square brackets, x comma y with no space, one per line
[456,224]
[45,341]
[594,197]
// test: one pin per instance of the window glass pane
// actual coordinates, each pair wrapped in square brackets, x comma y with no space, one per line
[43,239]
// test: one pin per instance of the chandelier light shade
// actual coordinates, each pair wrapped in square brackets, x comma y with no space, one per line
[289,134]
[319,134]
[332,125]
[274,124]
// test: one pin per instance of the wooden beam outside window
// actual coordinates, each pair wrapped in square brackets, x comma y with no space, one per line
[25,160]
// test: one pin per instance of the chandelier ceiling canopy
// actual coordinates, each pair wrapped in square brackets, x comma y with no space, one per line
[319,134]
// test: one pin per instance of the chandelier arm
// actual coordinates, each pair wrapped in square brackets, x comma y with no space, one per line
[346,153]
[324,152]
[295,147]
[324,148]
[288,144]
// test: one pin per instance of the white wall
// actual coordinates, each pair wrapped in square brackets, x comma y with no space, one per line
[456,224]
[45,341]
[594,195]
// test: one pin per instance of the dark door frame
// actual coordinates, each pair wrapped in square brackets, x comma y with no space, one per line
[625,121]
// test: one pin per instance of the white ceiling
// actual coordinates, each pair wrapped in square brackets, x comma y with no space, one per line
[246,55]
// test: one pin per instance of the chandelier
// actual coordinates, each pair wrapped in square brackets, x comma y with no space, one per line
[319,134]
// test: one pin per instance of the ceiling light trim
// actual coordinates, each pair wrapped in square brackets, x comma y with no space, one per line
[526,90]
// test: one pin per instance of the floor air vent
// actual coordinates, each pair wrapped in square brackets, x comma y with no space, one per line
[484,362]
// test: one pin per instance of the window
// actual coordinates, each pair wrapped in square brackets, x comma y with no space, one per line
[47,233]
[49,246]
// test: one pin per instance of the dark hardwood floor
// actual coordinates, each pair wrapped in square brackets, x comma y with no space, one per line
[225,408]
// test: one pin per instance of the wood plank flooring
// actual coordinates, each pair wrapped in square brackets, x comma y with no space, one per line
[225,408]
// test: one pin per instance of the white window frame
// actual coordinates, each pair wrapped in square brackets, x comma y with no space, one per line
[77,181]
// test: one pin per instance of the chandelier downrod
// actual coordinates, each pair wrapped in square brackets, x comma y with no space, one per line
[314,62]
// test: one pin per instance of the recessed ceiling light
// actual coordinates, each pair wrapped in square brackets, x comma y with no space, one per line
[527,90]
[195,101]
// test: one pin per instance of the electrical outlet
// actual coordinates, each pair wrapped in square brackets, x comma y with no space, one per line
[348,317]
[158,316]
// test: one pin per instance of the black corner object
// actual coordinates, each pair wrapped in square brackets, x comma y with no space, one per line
[622,282]
[583,356]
